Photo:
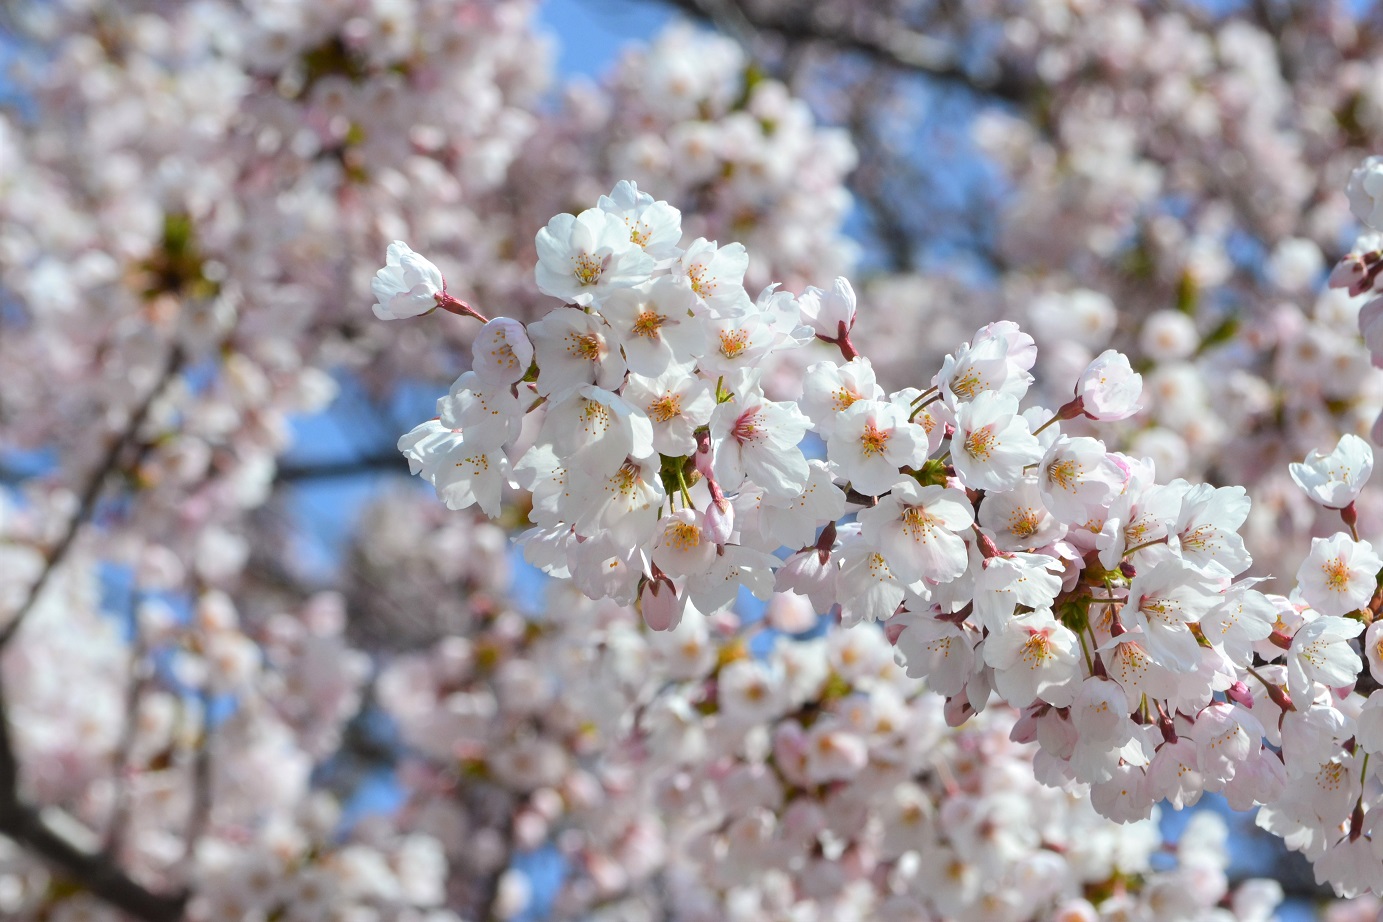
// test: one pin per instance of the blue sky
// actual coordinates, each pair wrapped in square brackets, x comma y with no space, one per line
[590,33]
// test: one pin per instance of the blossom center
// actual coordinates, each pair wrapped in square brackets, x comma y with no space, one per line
[1038,649]
[873,440]
[747,428]
[638,233]
[1063,473]
[843,399]
[503,354]
[700,283]
[1023,523]
[584,345]
[648,323]
[596,416]
[627,478]
[732,343]
[587,269]
[917,523]
[1336,574]
[968,385]
[1199,539]
[682,536]
[1331,776]
[980,443]
[665,408]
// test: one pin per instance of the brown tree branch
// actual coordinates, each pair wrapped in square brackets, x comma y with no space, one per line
[40,830]
[34,830]
[91,493]
[888,42]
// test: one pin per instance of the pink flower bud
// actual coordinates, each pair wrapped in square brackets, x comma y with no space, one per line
[1348,272]
[1239,693]
[829,313]
[1110,388]
[661,605]
[719,522]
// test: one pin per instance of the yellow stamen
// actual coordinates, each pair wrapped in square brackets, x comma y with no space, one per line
[648,323]
[665,408]
[873,441]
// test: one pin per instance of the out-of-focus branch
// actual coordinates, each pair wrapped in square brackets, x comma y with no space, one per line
[36,831]
[489,897]
[42,830]
[199,813]
[91,493]
[889,43]
[120,812]
[387,462]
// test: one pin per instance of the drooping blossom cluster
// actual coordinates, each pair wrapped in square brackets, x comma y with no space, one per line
[723,769]
[1002,554]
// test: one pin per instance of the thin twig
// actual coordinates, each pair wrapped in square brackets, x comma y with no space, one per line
[90,494]
[120,811]
[199,813]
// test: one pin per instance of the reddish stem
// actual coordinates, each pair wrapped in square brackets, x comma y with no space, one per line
[453,305]
[842,341]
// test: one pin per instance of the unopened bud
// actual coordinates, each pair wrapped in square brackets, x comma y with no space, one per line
[1168,728]
[1278,695]
[719,522]
[1239,693]
[660,605]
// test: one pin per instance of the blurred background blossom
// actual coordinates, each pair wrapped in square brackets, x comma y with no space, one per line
[250,671]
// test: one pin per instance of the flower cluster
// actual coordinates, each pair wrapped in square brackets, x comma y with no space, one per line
[723,769]
[1002,554]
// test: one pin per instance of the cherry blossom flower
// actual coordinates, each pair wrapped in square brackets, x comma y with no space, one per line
[1019,520]
[1109,389]
[1033,656]
[681,546]
[501,352]
[655,226]
[582,258]
[917,530]
[793,521]
[574,348]
[1365,191]
[676,402]
[992,443]
[758,439]
[1077,476]
[463,473]
[490,414]
[407,286]
[1339,575]
[1334,480]
[655,325]
[830,314]
[595,429]
[715,274]
[998,359]
[871,441]
[830,389]
[1320,652]
[939,651]
[865,584]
